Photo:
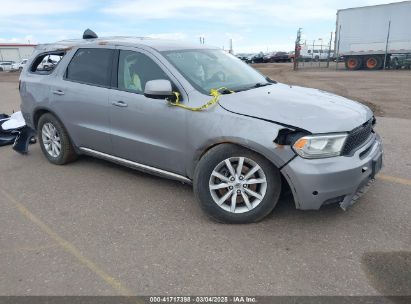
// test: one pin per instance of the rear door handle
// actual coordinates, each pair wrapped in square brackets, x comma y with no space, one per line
[58,92]
[119,103]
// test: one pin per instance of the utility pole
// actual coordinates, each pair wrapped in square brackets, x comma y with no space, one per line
[338,47]
[231,46]
[297,49]
[386,44]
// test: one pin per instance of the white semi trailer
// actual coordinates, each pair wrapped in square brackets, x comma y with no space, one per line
[366,37]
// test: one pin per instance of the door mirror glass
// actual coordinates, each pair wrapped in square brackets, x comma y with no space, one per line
[159,88]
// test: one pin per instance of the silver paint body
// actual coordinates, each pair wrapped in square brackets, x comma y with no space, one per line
[151,135]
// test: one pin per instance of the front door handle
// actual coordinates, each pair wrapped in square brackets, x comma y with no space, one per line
[58,92]
[119,103]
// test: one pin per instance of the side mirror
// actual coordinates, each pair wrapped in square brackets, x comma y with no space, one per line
[159,89]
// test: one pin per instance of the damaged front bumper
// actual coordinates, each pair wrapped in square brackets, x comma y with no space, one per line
[343,179]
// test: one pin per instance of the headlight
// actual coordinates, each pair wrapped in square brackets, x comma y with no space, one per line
[320,146]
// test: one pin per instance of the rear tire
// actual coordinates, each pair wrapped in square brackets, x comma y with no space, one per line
[238,198]
[54,140]
[353,63]
[373,62]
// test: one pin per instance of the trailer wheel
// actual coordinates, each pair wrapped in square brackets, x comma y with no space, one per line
[373,62]
[353,63]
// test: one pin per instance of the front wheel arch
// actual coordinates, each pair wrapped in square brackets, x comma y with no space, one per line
[285,181]
[200,153]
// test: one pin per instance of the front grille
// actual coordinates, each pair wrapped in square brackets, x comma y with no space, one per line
[357,137]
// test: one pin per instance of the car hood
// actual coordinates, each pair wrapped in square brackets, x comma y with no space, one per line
[310,109]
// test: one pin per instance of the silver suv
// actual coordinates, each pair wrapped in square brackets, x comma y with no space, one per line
[199,115]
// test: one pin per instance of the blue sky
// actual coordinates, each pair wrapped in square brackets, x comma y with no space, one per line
[254,25]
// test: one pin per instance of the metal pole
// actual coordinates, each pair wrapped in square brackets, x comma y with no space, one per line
[329,51]
[386,43]
[338,47]
[320,53]
[297,50]
[312,54]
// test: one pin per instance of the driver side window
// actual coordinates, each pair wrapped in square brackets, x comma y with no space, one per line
[135,69]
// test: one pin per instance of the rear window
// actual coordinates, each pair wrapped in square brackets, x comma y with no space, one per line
[91,66]
[45,63]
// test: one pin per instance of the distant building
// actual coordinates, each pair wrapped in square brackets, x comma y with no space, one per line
[15,52]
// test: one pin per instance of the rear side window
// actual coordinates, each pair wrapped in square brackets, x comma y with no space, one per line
[91,66]
[45,63]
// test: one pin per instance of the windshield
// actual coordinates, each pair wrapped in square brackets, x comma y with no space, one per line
[213,69]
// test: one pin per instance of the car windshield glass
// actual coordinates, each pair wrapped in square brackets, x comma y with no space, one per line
[212,69]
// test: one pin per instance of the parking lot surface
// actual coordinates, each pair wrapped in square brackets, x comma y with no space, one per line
[96,228]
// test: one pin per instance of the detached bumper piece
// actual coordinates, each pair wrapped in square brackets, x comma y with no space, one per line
[350,200]
[7,137]
[13,131]
[376,165]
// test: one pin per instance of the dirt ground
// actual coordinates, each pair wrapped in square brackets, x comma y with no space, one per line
[388,93]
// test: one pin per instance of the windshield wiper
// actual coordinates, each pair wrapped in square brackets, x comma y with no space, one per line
[257,85]
[225,91]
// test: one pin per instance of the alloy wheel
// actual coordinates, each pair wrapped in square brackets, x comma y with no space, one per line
[51,139]
[238,184]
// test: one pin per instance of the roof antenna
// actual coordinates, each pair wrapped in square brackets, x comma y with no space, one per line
[89,34]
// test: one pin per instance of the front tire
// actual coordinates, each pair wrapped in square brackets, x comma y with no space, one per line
[54,140]
[235,185]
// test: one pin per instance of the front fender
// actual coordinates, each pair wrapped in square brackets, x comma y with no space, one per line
[251,133]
